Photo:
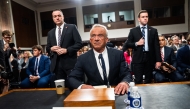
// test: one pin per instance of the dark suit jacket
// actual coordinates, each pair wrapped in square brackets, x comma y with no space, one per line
[70,40]
[183,55]
[153,43]
[5,55]
[169,56]
[43,68]
[86,64]
[2,54]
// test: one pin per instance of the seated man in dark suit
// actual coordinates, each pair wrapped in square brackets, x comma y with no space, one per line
[38,69]
[168,56]
[101,65]
[183,59]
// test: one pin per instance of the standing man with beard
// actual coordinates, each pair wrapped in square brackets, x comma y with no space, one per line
[63,42]
[143,39]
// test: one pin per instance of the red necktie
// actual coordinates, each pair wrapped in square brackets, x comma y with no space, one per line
[162,55]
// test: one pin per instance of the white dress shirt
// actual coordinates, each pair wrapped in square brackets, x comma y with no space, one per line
[98,61]
[57,31]
[146,37]
[162,50]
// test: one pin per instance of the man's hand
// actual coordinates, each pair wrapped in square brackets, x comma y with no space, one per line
[165,68]
[121,88]
[140,42]
[33,78]
[158,64]
[61,51]
[84,86]
[54,48]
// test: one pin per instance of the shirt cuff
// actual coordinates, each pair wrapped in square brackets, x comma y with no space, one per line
[80,86]
[38,77]
[135,43]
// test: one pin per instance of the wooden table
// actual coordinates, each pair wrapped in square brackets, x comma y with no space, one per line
[91,97]
[175,95]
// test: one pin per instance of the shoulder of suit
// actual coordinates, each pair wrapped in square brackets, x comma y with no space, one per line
[52,30]
[168,48]
[113,50]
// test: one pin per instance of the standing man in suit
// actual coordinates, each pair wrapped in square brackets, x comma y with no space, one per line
[167,55]
[38,69]
[101,65]
[5,53]
[143,39]
[63,42]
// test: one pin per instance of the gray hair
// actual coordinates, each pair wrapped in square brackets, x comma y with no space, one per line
[175,36]
[99,25]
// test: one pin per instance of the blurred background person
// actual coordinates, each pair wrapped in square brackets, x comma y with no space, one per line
[128,57]
[166,73]
[170,42]
[79,52]
[183,57]
[85,49]
[176,44]
[23,65]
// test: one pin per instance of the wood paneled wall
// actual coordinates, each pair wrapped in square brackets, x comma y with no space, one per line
[171,19]
[5,16]
[24,24]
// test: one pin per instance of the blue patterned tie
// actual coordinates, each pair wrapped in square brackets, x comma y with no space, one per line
[143,36]
[36,67]
[104,69]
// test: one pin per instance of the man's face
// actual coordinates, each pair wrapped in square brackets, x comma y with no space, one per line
[143,19]
[175,40]
[57,17]
[98,38]
[162,41]
[36,52]
[7,38]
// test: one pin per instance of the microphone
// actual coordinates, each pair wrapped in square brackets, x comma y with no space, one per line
[108,84]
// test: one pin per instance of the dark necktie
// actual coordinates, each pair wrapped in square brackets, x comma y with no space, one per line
[143,36]
[104,69]
[59,36]
[36,67]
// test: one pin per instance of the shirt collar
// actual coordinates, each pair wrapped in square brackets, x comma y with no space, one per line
[4,42]
[39,56]
[143,26]
[61,26]
[96,53]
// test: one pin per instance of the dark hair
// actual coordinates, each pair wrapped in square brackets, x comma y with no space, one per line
[6,32]
[142,11]
[57,10]
[162,36]
[39,47]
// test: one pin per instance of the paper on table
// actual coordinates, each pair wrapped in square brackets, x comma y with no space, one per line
[103,107]
[101,86]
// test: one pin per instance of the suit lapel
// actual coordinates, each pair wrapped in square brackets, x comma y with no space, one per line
[111,58]
[165,54]
[139,31]
[54,37]
[148,35]
[63,32]
[40,62]
[93,64]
